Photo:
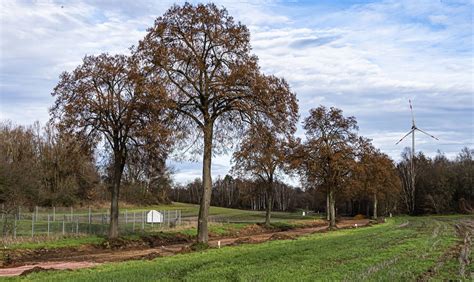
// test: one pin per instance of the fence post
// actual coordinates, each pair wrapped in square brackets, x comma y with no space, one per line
[90,220]
[32,225]
[64,219]
[77,225]
[133,227]
[126,217]
[14,227]
[48,225]
[36,213]
[54,213]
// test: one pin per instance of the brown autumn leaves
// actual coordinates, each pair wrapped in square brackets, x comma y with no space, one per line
[193,81]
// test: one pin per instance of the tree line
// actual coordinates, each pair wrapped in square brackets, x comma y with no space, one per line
[40,166]
[193,86]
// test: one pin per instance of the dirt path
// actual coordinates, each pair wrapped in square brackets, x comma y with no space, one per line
[85,260]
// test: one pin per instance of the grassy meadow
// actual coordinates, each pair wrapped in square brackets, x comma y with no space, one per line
[404,248]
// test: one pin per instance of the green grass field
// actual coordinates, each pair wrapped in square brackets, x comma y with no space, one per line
[425,248]
[187,210]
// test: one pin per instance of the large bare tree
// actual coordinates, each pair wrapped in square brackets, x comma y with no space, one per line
[105,98]
[212,79]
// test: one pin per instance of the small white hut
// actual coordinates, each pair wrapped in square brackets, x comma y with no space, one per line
[154,216]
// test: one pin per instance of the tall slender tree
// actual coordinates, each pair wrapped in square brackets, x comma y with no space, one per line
[212,79]
[105,98]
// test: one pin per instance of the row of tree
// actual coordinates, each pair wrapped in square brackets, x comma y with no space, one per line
[191,81]
[377,186]
[332,159]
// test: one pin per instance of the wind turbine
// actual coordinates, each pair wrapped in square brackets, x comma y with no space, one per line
[412,132]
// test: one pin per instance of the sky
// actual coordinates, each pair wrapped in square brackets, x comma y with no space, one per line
[367,58]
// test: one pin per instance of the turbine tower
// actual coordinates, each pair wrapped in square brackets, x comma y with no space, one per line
[412,132]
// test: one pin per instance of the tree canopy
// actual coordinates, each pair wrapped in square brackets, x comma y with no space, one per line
[212,80]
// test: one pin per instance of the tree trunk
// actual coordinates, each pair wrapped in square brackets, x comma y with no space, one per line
[269,202]
[207,185]
[332,209]
[116,179]
[375,205]
[328,208]
[351,208]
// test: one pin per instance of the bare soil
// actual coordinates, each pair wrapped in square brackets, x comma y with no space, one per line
[26,261]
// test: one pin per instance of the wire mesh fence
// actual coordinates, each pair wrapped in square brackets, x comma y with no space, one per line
[46,221]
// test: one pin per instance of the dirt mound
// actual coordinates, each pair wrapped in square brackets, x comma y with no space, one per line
[122,243]
[359,217]
[245,240]
[195,247]
[310,223]
[277,236]
[252,230]
[149,256]
[161,239]
[153,240]
[185,250]
[14,257]
[20,257]
[34,270]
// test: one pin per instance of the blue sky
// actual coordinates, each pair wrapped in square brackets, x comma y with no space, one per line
[365,57]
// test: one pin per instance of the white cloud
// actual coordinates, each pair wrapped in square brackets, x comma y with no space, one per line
[367,59]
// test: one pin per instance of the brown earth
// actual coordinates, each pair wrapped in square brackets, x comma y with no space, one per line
[19,262]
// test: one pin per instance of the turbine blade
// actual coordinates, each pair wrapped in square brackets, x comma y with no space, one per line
[426,133]
[404,137]
[412,115]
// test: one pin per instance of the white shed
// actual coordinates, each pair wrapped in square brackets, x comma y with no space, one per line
[154,217]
